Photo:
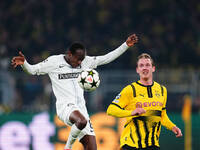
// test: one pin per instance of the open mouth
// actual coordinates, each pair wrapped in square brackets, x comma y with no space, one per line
[145,72]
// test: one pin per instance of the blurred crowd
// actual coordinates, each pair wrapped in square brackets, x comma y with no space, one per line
[168,30]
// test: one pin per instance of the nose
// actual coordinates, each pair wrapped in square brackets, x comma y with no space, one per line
[145,69]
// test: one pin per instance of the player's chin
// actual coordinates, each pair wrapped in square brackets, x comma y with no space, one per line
[74,65]
[145,77]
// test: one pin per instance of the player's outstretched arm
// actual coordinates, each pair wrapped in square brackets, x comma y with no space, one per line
[116,111]
[177,131]
[18,60]
[109,57]
[21,61]
[40,68]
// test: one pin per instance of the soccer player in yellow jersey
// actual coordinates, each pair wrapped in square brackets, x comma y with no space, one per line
[143,103]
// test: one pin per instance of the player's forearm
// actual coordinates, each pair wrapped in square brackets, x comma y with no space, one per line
[31,69]
[165,121]
[116,111]
[105,59]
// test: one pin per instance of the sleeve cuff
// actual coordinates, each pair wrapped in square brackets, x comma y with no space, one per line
[124,45]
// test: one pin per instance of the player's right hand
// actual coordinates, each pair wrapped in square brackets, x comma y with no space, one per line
[177,131]
[132,40]
[138,111]
[18,60]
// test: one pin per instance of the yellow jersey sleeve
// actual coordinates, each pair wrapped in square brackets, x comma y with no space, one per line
[165,121]
[165,97]
[116,108]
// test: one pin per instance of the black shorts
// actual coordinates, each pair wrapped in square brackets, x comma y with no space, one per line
[126,147]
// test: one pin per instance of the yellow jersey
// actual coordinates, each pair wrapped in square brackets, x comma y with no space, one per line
[142,130]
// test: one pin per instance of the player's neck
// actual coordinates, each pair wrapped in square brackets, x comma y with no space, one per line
[146,81]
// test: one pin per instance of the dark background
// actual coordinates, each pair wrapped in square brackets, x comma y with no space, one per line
[167,29]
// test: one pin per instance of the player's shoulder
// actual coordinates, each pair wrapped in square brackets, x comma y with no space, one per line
[158,84]
[89,62]
[89,58]
[129,87]
[55,58]
[133,85]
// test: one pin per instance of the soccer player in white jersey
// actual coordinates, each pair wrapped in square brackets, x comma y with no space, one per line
[63,71]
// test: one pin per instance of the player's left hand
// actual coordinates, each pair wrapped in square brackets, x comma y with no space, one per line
[131,40]
[177,131]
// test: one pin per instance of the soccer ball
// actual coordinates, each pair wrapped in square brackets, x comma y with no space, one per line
[89,80]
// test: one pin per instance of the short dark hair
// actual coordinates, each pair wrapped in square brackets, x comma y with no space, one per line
[76,46]
[146,56]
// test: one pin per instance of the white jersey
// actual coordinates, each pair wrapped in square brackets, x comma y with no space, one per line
[64,78]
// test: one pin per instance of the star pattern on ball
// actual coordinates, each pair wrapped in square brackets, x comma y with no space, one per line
[83,81]
[94,84]
[91,73]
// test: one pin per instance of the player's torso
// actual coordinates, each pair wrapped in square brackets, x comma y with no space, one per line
[148,97]
[64,81]
[144,129]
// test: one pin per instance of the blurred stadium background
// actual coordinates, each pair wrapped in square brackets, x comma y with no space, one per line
[168,30]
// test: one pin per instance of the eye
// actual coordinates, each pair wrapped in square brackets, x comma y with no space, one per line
[141,65]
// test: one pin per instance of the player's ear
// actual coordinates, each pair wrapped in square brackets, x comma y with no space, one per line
[69,53]
[137,70]
[154,68]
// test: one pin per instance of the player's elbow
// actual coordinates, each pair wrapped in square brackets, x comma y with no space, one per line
[109,111]
[30,71]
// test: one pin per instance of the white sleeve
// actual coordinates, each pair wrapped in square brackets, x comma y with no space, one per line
[105,59]
[41,68]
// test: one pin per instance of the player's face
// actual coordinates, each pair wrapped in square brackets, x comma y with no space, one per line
[76,59]
[145,69]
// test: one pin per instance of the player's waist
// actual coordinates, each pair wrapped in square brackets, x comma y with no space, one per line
[156,113]
[149,116]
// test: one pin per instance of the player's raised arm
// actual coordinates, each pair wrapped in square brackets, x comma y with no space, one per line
[105,59]
[39,68]
[18,60]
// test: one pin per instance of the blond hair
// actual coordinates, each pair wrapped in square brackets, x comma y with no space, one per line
[145,56]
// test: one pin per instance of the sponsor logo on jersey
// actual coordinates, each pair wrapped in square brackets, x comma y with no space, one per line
[148,104]
[68,75]
[139,105]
